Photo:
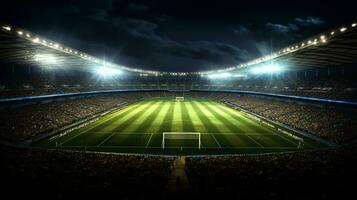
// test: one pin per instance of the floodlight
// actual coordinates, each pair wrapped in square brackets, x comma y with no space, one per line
[107,72]
[20,32]
[343,29]
[45,58]
[267,69]
[354,25]
[222,75]
[35,40]
[239,75]
[8,28]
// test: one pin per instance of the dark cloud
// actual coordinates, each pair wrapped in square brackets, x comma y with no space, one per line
[241,30]
[138,7]
[150,45]
[282,28]
[296,25]
[177,35]
[309,21]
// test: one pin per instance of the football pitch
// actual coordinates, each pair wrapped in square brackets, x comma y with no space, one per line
[139,128]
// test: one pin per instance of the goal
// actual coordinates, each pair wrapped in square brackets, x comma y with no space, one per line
[181,136]
[180,98]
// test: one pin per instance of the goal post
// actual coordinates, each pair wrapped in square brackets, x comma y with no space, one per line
[180,98]
[181,136]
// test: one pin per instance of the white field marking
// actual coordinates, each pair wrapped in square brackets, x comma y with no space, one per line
[147,144]
[216,141]
[69,139]
[173,147]
[256,142]
[287,139]
[160,133]
[106,139]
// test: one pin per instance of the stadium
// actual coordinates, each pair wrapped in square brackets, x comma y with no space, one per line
[282,125]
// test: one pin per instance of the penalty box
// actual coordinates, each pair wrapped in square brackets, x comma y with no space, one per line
[180,136]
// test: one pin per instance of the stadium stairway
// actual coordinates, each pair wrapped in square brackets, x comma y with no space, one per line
[179,181]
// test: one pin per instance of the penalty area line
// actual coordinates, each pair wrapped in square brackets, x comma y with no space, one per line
[216,141]
[106,139]
[256,142]
[147,144]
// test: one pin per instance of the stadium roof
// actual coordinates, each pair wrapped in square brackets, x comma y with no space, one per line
[337,46]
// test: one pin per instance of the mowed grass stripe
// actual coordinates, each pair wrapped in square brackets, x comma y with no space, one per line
[239,121]
[207,139]
[213,118]
[199,125]
[186,119]
[119,115]
[226,118]
[177,121]
[257,128]
[208,124]
[96,124]
[145,121]
[244,119]
[167,121]
[159,119]
[97,138]
[117,125]
[133,117]
[234,140]
[126,139]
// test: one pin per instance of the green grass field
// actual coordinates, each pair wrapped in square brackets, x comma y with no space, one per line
[138,128]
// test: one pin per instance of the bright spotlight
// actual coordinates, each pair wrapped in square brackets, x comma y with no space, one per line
[107,72]
[45,59]
[216,76]
[8,28]
[267,69]
[225,76]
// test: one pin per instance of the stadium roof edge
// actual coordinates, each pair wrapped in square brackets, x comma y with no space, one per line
[318,40]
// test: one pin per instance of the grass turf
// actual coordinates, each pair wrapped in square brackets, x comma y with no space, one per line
[138,128]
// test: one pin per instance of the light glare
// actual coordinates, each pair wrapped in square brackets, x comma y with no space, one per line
[46,59]
[107,72]
[8,28]
[267,69]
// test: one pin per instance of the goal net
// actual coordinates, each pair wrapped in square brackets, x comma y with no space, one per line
[180,98]
[180,136]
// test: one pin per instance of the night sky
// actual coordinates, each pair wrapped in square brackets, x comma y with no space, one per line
[180,35]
